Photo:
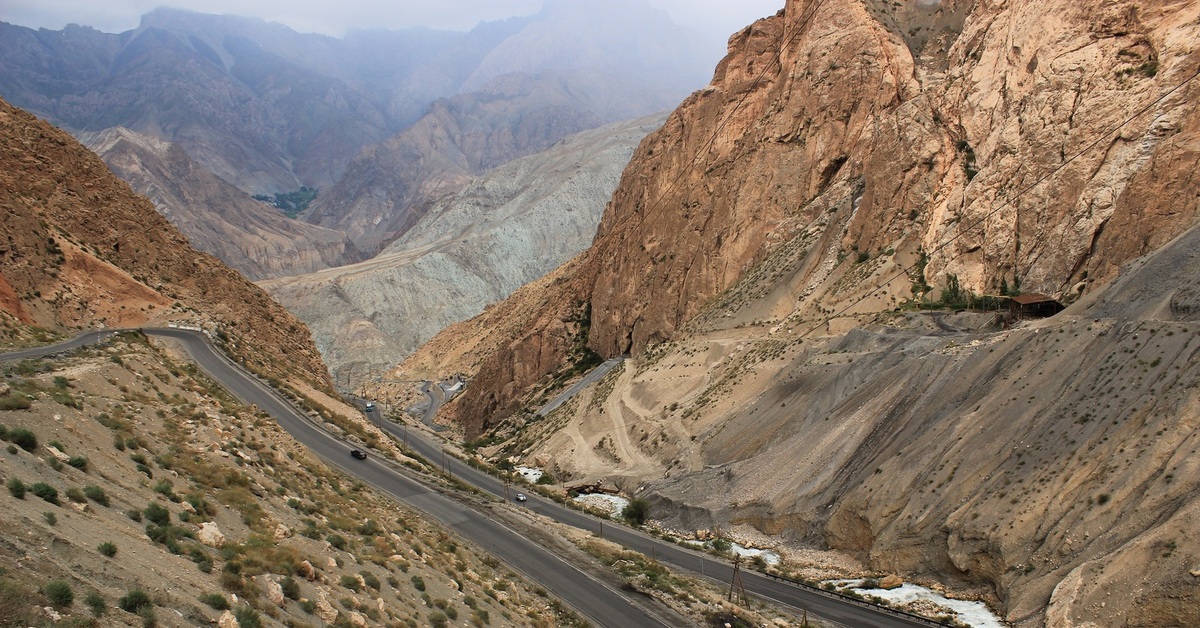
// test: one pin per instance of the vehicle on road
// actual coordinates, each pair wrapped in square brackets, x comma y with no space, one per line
[521,497]
[358,454]
[370,406]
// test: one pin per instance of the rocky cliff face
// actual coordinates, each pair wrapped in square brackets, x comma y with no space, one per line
[501,231]
[825,132]
[254,238]
[83,250]
[847,155]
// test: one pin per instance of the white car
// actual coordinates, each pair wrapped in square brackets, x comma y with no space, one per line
[521,497]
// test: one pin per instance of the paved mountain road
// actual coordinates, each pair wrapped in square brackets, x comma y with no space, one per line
[592,599]
[819,603]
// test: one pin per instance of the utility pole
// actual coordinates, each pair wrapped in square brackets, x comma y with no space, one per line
[735,583]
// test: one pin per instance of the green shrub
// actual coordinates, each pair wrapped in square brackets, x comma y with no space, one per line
[291,588]
[96,494]
[337,541]
[147,615]
[134,601]
[247,617]
[79,462]
[45,491]
[437,619]
[370,579]
[108,548]
[216,601]
[418,583]
[157,514]
[351,582]
[15,401]
[51,518]
[135,514]
[76,495]
[23,438]
[309,606]
[96,603]
[17,488]
[54,463]
[637,511]
[12,449]
[59,593]
[3,432]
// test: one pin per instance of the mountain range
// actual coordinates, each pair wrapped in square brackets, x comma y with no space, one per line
[269,110]
[784,262]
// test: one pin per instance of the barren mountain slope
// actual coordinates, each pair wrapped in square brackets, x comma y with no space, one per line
[503,230]
[83,250]
[253,237]
[389,186]
[134,472]
[823,138]
[847,156]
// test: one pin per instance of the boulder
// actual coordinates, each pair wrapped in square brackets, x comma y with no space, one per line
[210,535]
[273,591]
[891,582]
[227,620]
[324,610]
[58,454]
[306,571]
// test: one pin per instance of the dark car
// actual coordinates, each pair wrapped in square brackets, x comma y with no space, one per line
[370,406]
[358,454]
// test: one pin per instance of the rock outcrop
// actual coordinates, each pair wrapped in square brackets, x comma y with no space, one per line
[850,157]
[824,135]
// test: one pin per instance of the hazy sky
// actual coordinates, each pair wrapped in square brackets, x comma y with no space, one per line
[715,18]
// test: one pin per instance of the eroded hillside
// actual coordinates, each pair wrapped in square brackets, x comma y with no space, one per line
[850,160]
[501,231]
[140,493]
[254,238]
[84,251]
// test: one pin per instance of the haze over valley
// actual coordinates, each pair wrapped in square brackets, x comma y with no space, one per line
[893,300]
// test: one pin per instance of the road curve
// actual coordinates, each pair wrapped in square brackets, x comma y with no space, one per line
[822,604]
[590,598]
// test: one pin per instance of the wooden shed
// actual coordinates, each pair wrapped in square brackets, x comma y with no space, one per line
[1025,306]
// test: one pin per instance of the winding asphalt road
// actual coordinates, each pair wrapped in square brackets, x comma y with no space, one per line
[589,597]
[820,603]
[600,604]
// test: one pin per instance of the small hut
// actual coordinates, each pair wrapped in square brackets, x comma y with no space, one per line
[1025,306]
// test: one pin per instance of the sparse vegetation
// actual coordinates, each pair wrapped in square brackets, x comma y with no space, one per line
[108,548]
[24,439]
[216,601]
[16,488]
[134,601]
[96,603]
[637,511]
[45,491]
[96,494]
[59,593]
